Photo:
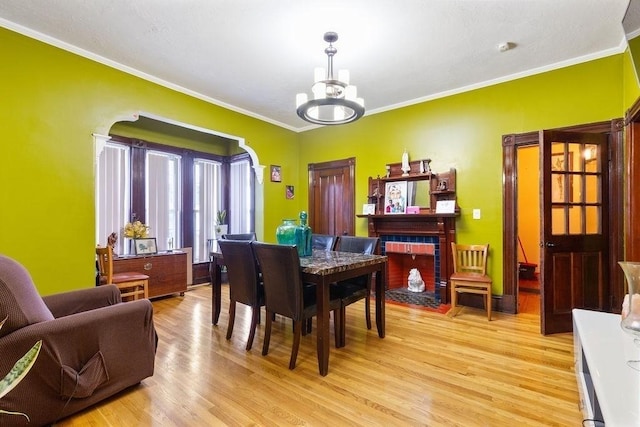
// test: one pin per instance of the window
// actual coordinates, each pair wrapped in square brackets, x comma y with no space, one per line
[176,192]
[240,197]
[163,203]
[113,189]
[207,201]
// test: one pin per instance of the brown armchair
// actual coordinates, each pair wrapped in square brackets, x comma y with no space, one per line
[93,346]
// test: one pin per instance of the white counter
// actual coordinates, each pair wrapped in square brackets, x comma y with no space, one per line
[609,388]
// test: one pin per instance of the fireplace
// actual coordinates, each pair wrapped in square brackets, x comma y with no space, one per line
[417,237]
[405,255]
[421,241]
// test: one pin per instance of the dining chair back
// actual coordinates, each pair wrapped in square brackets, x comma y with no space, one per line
[132,285]
[470,274]
[240,236]
[360,245]
[325,242]
[284,291]
[245,285]
[358,288]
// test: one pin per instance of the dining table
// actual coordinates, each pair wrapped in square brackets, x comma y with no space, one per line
[322,268]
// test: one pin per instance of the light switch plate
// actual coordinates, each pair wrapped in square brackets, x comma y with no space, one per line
[476,214]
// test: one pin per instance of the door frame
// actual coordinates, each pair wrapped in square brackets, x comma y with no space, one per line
[510,145]
[632,154]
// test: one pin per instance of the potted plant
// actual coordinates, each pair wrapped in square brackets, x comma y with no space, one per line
[18,372]
[221,223]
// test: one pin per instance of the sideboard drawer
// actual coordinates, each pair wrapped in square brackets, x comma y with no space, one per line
[167,272]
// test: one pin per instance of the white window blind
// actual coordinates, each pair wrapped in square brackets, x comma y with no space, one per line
[113,193]
[164,198]
[206,202]
[240,197]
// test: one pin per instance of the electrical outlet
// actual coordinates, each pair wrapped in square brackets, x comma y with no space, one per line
[476,214]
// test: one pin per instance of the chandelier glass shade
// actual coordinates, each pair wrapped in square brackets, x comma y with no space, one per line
[334,101]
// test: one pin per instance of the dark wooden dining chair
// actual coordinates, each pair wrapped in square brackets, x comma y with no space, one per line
[240,236]
[353,290]
[285,293]
[245,285]
[325,242]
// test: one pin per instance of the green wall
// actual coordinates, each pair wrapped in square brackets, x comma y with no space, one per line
[52,102]
[465,132]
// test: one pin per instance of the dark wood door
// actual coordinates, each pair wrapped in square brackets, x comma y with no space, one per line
[331,197]
[575,226]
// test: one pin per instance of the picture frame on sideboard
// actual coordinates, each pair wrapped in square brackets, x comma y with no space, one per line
[146,246]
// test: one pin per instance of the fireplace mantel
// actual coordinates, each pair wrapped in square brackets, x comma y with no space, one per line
[442,226]
[422,224]
[426,226]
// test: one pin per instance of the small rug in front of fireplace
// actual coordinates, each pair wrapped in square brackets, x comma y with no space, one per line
[405,296]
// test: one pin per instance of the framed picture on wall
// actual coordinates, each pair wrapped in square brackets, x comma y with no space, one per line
[276,176]
[289,192]
[395,199]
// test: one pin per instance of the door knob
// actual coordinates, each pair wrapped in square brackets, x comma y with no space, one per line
[550,245]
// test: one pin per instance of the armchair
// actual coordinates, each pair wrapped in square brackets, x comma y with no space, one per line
[93,346]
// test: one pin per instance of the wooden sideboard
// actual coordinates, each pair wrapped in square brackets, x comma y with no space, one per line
[167,271]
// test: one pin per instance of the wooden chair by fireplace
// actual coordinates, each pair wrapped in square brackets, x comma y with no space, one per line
[470,274]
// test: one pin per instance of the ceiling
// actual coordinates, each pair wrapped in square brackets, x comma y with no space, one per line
[254,56]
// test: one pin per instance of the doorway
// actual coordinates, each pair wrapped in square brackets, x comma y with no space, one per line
[528,172]
[613,183]
[332,197]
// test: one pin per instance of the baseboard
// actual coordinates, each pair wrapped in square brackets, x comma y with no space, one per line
[499,303]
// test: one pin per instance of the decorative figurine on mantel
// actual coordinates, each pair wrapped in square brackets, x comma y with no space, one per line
[416,284]
[405,163]
[424,166]
[376,191]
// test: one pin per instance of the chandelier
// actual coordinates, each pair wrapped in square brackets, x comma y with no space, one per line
[334,102]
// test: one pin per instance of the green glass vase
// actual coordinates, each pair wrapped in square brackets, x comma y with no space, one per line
[303,236]
[286,232]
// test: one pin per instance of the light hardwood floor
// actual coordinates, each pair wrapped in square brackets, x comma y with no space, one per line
[430,370]
[529,303]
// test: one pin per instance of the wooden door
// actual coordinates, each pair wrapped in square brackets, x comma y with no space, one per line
[331,197]
[575,227]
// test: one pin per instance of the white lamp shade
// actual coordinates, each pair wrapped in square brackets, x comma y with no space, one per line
[319,90]
[351,93]
[343,76]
